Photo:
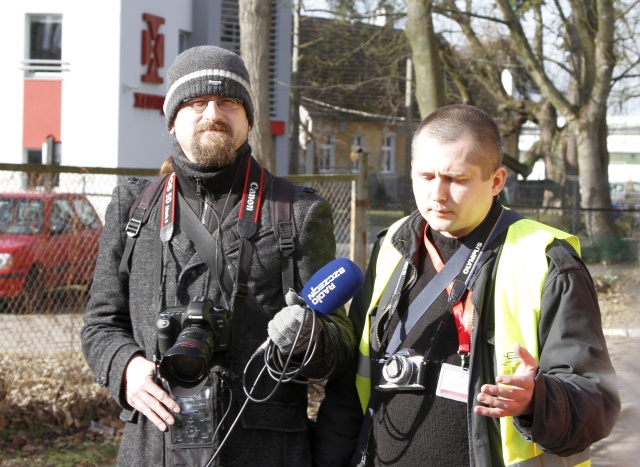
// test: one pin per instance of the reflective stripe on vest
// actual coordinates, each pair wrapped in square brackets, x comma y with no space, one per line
[523,268]
[388,259]
[582,459]
[525,271]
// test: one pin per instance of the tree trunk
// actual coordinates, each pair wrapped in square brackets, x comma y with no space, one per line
[255,25]
[593,162]
[551,150]
[294,95]
[430,88]
[589,25]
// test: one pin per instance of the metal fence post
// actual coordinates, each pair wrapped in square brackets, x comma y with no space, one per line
[360,213]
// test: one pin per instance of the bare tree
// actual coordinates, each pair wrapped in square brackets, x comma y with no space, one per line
[590,26]
[294,94]
[566,51]
[429,76]
[255,26]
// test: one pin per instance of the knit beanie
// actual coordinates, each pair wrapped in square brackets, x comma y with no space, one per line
[206,70]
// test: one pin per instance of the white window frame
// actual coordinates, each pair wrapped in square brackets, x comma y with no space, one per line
[388,153]
[357,145]
[52,39]
[327,161]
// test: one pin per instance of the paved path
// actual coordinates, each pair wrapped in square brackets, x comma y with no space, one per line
[622,447]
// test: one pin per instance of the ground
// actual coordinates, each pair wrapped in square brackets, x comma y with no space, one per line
[618,289]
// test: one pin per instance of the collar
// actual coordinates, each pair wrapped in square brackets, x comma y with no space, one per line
[217,182]
[447,246]
[409,238]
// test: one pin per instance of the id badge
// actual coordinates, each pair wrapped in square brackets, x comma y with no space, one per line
[453,383]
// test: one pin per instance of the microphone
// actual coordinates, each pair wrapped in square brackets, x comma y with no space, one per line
[332,286]
[329,288]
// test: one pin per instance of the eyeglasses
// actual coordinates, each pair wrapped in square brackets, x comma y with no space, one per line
[199,104]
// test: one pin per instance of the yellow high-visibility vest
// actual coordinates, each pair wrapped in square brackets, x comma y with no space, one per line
[521,273]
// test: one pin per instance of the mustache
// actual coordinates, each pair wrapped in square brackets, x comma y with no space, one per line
[212,126]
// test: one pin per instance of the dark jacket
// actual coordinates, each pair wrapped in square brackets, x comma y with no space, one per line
[576,397]
[121,320]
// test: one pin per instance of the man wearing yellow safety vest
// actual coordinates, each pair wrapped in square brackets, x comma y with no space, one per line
[482,343]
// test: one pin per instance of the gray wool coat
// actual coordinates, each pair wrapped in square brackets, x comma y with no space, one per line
[121,321]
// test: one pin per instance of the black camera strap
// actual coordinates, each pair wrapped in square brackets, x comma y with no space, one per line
[211,251]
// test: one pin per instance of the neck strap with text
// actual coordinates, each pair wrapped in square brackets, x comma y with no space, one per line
[464,263]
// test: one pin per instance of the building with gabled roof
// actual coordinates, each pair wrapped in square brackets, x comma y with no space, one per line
[353,100]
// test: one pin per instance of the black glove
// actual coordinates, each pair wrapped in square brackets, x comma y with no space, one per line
[285,324]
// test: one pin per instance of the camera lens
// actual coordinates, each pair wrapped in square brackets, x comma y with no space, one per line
[397,369]
[188,360]
[185,367]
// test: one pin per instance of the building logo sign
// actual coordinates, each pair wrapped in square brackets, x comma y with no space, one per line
[152,48]
[152,55]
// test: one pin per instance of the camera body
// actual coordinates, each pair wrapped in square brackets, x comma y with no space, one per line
[405,370]
[187,339]
[200,313]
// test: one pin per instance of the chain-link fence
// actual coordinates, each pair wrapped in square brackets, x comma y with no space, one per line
[51,219]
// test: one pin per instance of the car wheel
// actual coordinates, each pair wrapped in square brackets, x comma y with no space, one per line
[33,294]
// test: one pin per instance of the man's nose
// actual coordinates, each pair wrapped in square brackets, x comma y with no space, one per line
[439,189]
[212,111]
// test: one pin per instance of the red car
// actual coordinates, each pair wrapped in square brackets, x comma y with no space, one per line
[48,241]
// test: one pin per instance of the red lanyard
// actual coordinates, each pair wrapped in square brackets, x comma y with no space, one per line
[464,320]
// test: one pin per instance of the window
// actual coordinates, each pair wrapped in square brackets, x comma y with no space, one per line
[61,217]
[388,153]
[183,41]
[22,216]
[357,146]
[40,179]
[230,26]
[86,214]
[44,43]
[327,154]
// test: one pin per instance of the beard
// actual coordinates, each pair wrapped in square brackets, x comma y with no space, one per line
[215,149]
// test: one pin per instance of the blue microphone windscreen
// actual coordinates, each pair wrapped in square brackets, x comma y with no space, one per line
[332,286]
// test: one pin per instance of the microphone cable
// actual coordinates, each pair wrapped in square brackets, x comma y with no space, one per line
[232,426]
[281,367]
[270,347]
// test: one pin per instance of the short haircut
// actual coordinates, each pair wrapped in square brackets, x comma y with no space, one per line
[452,123]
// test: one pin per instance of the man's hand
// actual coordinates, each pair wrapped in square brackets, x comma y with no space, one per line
[285,325]
[513,395]
[144,395]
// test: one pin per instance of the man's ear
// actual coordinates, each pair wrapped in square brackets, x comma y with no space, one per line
[499,179]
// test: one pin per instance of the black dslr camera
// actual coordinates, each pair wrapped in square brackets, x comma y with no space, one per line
[404,371]
[188,337]
[187,340]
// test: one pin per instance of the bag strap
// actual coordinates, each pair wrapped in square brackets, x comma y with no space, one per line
[284,227]
[138,216]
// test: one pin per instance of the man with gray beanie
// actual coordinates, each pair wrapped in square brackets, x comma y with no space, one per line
[183,307]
